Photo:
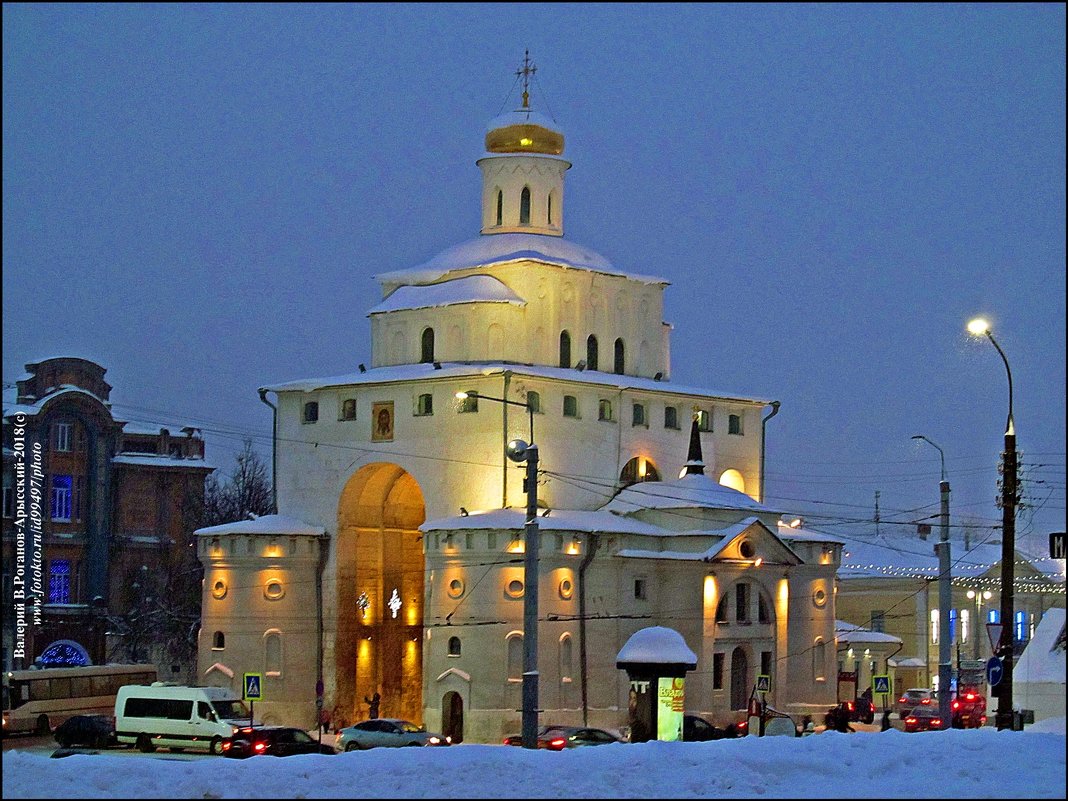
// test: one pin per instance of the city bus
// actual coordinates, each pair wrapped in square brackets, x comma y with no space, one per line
[39,700]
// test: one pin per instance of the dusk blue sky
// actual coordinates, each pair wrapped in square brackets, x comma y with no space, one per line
[197,197]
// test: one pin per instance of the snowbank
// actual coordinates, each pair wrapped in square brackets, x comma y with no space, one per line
[954,764]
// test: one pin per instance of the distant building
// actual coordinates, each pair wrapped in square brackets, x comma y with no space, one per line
[406,492]
[116,496]
[891,586]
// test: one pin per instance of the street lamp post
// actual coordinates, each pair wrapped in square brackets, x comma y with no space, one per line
[519,451]
[945,593]
[1004,716]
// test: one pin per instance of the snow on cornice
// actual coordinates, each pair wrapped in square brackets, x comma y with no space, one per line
[33,409]
[470,289]
[274,525]
[490,249]
[690,491]
[453,370]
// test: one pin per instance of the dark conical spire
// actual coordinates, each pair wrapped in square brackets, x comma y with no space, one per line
[695,464]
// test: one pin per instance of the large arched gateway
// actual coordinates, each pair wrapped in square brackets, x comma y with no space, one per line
[379,577]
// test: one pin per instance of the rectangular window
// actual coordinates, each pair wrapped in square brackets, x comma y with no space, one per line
[965,625]
[934,627]
[348,409]
[59,581]
[604,410]
[311,412]
[424,406]
[878,620]
[639,589]
[993,616]
[741,604]
[1020,628]
[952,624]
[534,402]
[469,540]
[671,417]
[704,419]
[62,489]
[64,436]
[765,663]
[491,541]
[734,424]
[717,671]
[570,406]
[9,495]
[638,414]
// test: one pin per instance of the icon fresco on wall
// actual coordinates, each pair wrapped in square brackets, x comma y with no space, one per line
[382,422]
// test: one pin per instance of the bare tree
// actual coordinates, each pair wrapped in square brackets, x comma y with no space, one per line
[246,493]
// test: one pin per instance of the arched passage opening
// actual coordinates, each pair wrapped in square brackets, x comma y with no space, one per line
[739,679]
[452,716]
[380,594]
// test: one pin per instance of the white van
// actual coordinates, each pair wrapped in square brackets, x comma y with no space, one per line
[177,717]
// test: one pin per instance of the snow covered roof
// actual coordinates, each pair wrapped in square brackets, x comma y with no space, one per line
[276,525]
[914,558]
[558,520]
[791,534]
[150,460]
[32,409]
[471,289]
[657,645]
[849,633]
[1043,660]
[690,491]
[422,372]
[497,248]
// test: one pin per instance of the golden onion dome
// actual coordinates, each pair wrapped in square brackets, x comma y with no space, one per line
[524,131]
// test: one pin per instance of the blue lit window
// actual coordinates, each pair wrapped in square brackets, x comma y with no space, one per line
[59,581]
[1021,626]
[61,496]
[993,616]
[952,624]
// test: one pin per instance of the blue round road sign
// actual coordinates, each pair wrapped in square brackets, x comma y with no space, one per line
[994,671]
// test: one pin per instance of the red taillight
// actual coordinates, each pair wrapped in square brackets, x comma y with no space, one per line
[226,746]
[260,746]
[910,720]
[557,743]
[507,740]
[956,704]
[902,700]
[925,701]
[936,721]
[743,724]
[982,720]
[970,696]
[849,705]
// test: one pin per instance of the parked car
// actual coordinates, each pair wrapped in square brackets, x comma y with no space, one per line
[387,733]
[969,710]
[696,729]
[95,731]
[924,718]
[272,741]
[912,698]
[557,738]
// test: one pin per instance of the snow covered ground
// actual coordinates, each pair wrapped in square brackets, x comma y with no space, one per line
[955,764]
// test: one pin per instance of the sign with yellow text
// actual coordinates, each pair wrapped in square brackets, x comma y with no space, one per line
[670,703]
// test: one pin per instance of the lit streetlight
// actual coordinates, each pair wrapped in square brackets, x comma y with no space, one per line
[978,597]
[519,451]
[945,592]
[1004,718]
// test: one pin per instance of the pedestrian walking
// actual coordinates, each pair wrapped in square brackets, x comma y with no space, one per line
[374,702]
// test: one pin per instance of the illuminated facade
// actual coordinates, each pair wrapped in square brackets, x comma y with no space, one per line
[428,614]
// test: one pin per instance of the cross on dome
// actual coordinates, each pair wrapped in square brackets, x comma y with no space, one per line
[526,71]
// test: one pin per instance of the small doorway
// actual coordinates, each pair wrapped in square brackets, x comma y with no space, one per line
[739,679]
[452,716]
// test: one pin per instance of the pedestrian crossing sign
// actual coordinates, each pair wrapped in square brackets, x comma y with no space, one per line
[881,684]
[252,686]
[763,683]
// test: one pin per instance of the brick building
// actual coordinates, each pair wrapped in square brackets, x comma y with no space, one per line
[118,502]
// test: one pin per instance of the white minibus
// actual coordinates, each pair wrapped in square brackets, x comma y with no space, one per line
[177,717]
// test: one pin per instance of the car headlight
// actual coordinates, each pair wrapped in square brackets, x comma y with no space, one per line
[434,740]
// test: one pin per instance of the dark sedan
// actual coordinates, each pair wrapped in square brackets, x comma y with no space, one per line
[272,741]
[95,731]
[696,729]
[557,738]
[924,718]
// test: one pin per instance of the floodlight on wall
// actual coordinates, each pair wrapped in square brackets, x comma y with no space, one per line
[463,512]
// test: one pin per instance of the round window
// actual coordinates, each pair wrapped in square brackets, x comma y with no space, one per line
[218,589]
[515,588]
[566,589]
[746,549]
[456,588]
[819,598]
[273,590]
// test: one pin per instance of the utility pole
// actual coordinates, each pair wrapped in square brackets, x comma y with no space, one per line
[945,593]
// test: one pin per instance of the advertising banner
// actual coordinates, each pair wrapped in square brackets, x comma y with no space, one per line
[671,701]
